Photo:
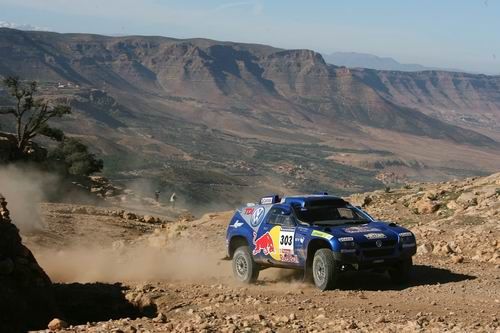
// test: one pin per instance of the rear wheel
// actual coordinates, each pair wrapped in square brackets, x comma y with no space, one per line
[325,269]
[244,267]
[401,272]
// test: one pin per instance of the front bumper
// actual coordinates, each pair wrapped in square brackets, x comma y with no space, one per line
[374,257]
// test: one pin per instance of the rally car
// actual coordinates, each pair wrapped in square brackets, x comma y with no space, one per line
[322,235]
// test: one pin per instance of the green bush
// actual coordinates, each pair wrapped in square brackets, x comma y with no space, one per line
[77,159]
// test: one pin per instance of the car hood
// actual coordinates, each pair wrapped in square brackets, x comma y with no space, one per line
[366,231]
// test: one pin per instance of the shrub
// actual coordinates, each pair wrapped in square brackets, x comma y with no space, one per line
[77,159]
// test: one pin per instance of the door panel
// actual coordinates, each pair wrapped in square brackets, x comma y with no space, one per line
[275,241]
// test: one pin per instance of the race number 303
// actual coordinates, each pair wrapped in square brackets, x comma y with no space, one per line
[286,240]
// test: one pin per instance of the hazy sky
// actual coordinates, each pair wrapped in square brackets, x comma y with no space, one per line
[444,33]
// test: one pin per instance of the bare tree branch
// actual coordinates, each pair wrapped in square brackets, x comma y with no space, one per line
[31,115]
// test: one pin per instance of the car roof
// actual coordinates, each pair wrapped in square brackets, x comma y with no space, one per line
[303,200]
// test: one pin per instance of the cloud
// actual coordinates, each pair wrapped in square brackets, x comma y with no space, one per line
[11,25]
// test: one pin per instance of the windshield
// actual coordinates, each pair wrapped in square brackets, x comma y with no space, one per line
[328,215]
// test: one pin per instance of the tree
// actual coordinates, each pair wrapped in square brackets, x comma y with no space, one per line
[31,115]
[76,157]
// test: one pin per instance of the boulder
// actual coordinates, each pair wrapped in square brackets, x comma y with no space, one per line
[457,259]
[57,324]
[426,206]
[452,205]
[467,199]
[160,318]
[149,219]
[129,216]
[425,248]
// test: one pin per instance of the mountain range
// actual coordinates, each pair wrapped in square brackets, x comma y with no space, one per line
[366,60]
[223,121]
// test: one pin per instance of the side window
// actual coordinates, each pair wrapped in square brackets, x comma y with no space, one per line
[346,213]
[277,216]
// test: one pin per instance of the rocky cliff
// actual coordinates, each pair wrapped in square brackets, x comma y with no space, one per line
[27,298]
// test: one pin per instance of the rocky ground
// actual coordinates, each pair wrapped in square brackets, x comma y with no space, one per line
[169,276]
[458,219]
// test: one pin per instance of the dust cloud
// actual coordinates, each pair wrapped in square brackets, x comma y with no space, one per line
[146,260]
[25,189]
[182,261]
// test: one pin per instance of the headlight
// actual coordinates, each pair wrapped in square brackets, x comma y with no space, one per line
[348,245]
[407,239]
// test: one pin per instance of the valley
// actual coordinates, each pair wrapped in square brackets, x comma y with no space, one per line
[222,121]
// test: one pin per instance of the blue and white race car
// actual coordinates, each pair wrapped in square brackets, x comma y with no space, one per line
[322,235]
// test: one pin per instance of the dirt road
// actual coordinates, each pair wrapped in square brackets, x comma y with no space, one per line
[170,278]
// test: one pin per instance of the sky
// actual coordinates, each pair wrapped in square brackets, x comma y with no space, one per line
[463,34]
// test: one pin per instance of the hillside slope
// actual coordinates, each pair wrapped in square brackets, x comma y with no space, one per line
[248,113]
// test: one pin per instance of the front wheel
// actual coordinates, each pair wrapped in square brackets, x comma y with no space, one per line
[244,267]
[325,269]
[401,272]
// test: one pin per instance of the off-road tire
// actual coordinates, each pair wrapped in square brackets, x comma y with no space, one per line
[400,273]
[245,269]
[325,270]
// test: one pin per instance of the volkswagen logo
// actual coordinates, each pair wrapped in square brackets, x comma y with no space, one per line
[257,216]
[378,243]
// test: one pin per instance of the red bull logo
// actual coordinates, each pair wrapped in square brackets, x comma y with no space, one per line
[263,244]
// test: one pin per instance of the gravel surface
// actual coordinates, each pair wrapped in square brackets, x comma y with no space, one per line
[170,277]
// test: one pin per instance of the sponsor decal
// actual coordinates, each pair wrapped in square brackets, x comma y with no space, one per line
[321,234]
[277,243]
[375,235]
[289,257]
[249,211]
[345,239]
[300,239]
[266,201]
[237,224]
[264,244]
[355,230]
[257,216]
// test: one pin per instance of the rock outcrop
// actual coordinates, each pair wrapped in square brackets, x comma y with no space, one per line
[455,219]
[26,296]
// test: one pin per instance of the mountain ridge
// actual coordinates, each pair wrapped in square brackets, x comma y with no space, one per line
[371,61]
[211,102]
